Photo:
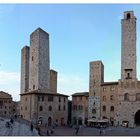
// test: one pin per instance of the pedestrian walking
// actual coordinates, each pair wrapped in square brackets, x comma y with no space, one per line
[103,131]
[77,130]
[39,131]
[100,132]
[11,121]
[48,134]
[46,124]
[31,127]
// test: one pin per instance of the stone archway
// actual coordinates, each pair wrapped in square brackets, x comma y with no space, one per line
[80,121]
[49,121]
[137,117]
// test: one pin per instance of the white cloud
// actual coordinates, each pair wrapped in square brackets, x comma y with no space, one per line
[10,82]
[69,84]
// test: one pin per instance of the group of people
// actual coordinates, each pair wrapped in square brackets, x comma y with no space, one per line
[102,132]
[9,123]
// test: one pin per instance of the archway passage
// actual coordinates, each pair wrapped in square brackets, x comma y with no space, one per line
[80,121]
[137,118]
[49,121]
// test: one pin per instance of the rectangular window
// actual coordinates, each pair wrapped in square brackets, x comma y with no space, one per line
[40,98]
[50,98]
[64,100]
[104,89]
[32,58]
[33,86]
[112,88]
[40,108]
[59,99]
[25,107]
[1,103]
[104,108]
[59,107]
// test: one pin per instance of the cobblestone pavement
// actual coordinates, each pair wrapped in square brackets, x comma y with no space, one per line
[20,129]
[89,131]
[16,129]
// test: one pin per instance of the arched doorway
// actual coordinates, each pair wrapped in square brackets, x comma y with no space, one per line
[137,118]
[62,122]
[80,121]
[49,121]
[74,120]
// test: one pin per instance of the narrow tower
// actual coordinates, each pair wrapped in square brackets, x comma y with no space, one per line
[25,55]
[39,70]
[53,81]
[128,55]
[96,79]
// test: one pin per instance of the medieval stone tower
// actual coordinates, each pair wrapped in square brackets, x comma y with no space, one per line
[25,69]
[128,55]
[128,88]
[117,101]
[39,61]
[96,79]
[40,102]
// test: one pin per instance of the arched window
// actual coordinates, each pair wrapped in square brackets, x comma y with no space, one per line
[40,108]
[50,108]
[104,108]
[126,97]
[138,96]
[94,111]
[111,97]
[104,98]
[112,108]
[104,117]
[128,16]
[64,107]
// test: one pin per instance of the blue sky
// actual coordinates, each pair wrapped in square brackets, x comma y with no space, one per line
[79,33]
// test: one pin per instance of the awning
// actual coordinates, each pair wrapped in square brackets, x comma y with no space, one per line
[95,120]
[103,120]
[92,120]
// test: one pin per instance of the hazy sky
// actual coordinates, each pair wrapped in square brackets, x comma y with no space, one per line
[79,33]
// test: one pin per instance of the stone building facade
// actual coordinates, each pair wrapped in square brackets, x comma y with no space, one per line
[80,108]
[44,107]
[117,101]
[8,108]
[39,100]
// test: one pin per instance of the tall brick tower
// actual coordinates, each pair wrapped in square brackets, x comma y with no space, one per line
[127,88]
[25,55]
[96,79]
[128,52]
[39,78]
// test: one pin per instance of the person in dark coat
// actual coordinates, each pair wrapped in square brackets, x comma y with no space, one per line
[31,127]
[77,130]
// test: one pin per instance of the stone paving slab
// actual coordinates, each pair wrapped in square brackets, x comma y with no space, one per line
[16,129]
